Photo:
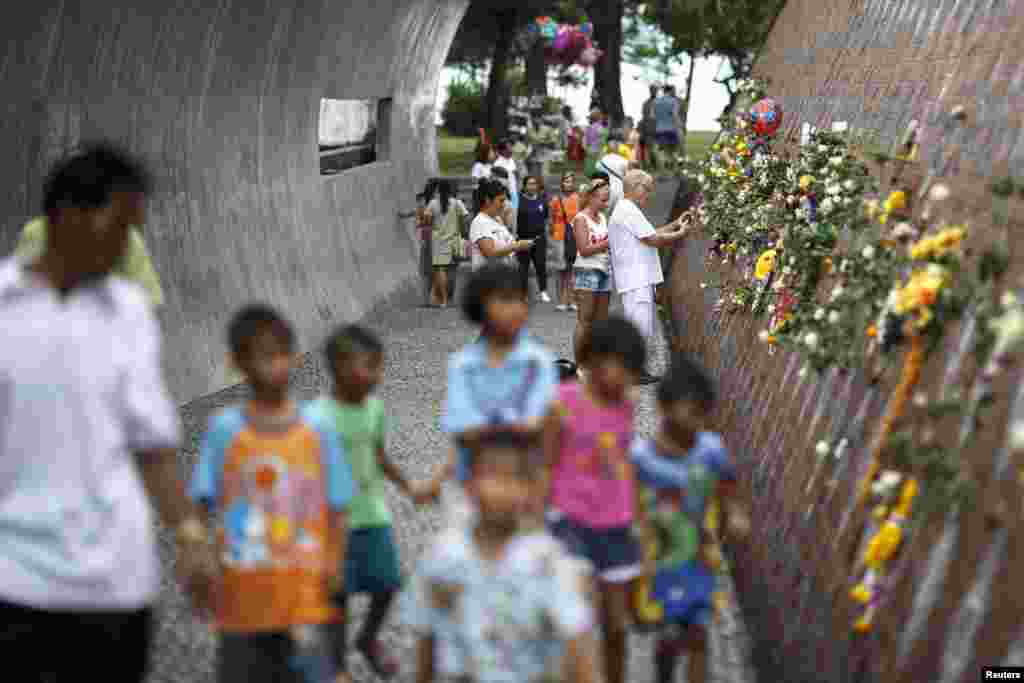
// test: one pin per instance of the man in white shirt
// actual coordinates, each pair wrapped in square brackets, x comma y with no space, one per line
[88,429]
[634,245]
[506,162]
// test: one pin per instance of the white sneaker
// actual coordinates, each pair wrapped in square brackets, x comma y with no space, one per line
[544,297]
[562,307]
[573,307]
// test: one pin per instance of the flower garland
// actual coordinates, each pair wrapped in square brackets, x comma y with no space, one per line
[847,275]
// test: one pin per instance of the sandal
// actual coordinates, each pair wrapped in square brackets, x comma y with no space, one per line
[384,666]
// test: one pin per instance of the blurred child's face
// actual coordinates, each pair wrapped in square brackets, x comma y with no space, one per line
[359,373]
[610,377]
[268,362]
[506,313]
[501,491]
[684,417]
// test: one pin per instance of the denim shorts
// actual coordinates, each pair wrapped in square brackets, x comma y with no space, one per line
[614,552]
[592,280]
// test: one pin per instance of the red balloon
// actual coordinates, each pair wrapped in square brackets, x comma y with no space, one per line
[766,117]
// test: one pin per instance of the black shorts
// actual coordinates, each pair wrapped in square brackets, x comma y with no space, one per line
[117,644]
[257,658]
[570,248]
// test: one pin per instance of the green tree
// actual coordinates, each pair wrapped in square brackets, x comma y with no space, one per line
[733,29]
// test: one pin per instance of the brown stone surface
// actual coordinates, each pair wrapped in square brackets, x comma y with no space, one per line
[876,64]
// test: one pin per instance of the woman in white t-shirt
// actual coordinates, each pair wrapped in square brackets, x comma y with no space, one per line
[491,241]
[591,272]
[485,156]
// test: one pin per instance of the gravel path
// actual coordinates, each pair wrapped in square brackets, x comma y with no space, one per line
[419,342]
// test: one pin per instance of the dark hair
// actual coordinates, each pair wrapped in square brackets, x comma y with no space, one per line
[616,135]
[88,177]
[493,278]
[483,153]
[601,175]
[615,336]
[446,192]
[428,190]
[566,110]
[655,90]
[489,189]
[687,381]
[539,179]
[347,340]
[566,369]
[523,444]
[504,145]
[670,88]
[251,321]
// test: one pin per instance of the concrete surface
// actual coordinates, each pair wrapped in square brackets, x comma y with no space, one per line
[419,342]
[222,97]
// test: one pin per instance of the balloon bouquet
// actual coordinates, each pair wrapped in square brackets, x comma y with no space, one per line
[566,44]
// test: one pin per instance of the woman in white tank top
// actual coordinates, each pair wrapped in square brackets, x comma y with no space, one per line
[592,270]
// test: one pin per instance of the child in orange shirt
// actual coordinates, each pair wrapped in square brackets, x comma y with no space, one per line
[274,476]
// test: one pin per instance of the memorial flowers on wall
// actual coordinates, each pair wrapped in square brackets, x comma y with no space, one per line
[846,277]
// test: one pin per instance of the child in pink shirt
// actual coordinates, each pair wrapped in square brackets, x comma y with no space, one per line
[590,480]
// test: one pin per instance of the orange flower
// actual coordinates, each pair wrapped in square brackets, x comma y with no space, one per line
[872,331]
[828,265]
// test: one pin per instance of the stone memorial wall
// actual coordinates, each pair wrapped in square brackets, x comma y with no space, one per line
[954,600]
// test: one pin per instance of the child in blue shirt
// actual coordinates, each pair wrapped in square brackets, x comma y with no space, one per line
[505,379]
[683,467]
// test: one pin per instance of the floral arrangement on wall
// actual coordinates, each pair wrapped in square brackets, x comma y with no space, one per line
[850,278]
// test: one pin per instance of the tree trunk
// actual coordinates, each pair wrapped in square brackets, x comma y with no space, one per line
[536,70]
[606,16]
[497,85]
[689,97]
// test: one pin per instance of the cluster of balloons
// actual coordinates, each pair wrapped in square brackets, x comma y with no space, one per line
[566,44]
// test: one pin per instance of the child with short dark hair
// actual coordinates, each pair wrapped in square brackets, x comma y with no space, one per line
[591,484]
[355,357]
[487,601]
[504,379]
[683,467]
[274,476]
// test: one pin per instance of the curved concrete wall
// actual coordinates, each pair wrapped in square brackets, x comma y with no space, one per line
[954,599]
[222,97]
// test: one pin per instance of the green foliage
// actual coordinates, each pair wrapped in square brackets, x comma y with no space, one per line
[464,110]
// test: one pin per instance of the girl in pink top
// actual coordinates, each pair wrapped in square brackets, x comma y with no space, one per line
[590,480]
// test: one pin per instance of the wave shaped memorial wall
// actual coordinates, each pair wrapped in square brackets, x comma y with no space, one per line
[886,488]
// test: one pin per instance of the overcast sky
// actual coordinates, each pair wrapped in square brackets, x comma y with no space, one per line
[709,97]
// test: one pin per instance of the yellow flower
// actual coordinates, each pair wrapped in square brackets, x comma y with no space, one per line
[862,625]
[883,545]
[880,512]
[921,290]
[805,181]
[872,331]
[897,200]
[907,498]
[740,146]
[861,594]
[731,247]
[924,317]
[765,264]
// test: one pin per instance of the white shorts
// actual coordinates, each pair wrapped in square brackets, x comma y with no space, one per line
[639,308]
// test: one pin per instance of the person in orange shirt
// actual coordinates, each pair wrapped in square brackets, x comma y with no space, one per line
[273,474]
[562,246]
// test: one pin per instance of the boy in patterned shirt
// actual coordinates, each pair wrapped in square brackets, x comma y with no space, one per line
[489,602]
[273,477]
[683,468]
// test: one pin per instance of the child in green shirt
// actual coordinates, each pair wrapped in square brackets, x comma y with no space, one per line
[356,359]
[135,265]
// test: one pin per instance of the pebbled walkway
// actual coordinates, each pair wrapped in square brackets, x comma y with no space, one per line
[419,342]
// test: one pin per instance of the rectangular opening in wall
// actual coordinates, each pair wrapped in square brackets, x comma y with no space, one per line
[353,133]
